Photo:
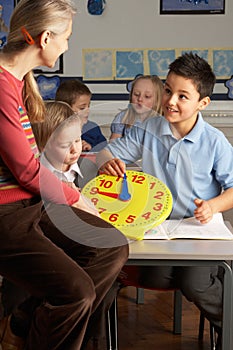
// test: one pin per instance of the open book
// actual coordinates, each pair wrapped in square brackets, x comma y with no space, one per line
[191,228]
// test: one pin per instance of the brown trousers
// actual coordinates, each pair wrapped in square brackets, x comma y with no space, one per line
[67,260]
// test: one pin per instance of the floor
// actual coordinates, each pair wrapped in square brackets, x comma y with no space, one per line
[149,326]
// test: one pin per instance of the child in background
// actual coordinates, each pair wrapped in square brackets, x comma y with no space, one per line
[78,96]
[145,101]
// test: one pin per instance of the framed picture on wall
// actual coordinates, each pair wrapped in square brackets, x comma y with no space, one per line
[6,8]
[168,7]
[58,68]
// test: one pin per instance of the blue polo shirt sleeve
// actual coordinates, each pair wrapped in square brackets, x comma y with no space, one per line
[223,163]
[117,127]
[129,147]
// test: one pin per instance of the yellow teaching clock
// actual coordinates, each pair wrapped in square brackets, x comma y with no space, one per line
[133,204]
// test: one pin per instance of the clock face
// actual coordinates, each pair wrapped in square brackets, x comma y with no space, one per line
[133,204]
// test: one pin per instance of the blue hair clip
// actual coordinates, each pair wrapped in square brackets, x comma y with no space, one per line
[129,84]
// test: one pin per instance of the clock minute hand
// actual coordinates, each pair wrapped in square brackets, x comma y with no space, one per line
[124,195]
[109,194]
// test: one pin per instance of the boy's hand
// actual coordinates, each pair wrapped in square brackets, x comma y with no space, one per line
[203,212]
[114,167]
[86,146]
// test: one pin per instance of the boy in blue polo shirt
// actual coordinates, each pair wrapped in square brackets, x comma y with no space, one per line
[194,159]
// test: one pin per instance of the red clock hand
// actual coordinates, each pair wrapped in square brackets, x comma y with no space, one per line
[109,194]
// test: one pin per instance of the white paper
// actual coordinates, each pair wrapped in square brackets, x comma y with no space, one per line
[191,228]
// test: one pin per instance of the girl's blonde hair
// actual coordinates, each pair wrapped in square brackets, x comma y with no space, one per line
[56,113]
[36,16]
[129,117]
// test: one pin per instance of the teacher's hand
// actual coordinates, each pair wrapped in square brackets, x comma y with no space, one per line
[86,205]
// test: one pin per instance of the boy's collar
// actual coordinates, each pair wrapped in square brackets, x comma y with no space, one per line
[192,136]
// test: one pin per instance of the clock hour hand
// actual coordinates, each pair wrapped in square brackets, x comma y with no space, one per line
[124,195]
[108,194]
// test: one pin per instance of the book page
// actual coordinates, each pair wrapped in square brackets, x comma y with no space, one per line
[191,228]
[157,232]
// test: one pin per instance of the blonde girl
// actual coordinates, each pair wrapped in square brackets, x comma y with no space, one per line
[145,101]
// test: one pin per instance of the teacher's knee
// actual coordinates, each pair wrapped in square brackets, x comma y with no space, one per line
[75,290]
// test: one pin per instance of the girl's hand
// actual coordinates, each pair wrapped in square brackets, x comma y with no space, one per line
[86,146]
[114,167]
[203,212]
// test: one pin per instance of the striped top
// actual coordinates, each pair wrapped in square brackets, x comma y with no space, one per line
[7,180]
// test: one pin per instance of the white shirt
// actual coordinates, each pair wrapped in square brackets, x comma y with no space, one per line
[67,176]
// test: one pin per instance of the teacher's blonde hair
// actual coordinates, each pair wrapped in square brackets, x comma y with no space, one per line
[35,17]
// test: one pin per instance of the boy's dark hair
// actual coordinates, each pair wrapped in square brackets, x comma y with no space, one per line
[192,66]
[70,89]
